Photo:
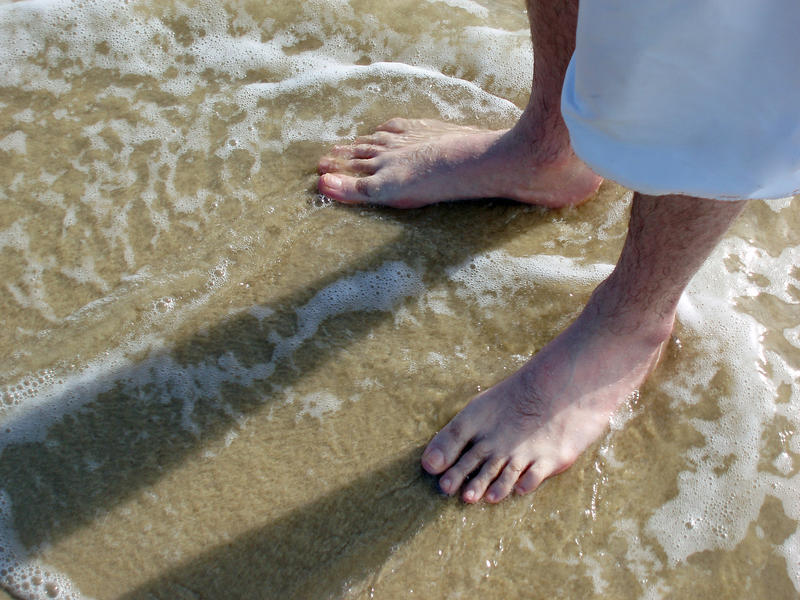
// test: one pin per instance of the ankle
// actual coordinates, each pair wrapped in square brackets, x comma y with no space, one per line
[544,138]
[620,311]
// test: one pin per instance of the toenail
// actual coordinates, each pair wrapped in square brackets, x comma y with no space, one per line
[435,458]
[445,484]
[470,495]
[334,182]
[491,497]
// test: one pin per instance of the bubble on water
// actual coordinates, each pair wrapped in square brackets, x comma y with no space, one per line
[14,142]
[318,404]
[163,305]
[724,490]
[490,277]
[379,290]
[783,463]
[321,200]
[21,575]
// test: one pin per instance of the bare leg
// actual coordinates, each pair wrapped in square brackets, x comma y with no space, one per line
[411,163]
[536,423]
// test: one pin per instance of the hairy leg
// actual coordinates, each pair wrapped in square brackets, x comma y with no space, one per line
[409,163]
[537,422]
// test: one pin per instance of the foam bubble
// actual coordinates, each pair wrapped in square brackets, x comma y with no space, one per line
[23,576]
[14,142]
[15,236]
[469,6]
[436,301]
[724,490]
[24,116]
[792,336]
[486,278]
[318,404]
[778,204]
[437,359]
[86,273]
[503,58]
[378,290]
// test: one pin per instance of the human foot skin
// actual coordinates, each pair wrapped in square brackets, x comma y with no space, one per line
[408,163]
[538,421]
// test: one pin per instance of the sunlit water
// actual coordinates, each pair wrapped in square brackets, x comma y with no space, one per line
[216,384]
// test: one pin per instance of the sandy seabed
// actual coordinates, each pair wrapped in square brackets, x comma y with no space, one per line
[219,384]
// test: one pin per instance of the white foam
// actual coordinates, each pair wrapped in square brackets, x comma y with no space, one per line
[329,73]
[437,359]
[640,559]
[792,335]
[86,273]
[28,418]
[261,312]
[25,577]
[117,37]
[378,290]
[778,204]
[437,301]
[791,552]
[723,491]
[468,5]
[503,59]
[489,278]
[24,116]
[15,141]
[318,404]
[783,463]
[15,236]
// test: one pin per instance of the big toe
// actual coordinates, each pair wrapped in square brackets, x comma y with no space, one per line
[345,188]
[433,461]
[443,450]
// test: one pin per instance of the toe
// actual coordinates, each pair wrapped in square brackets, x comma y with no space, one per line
[360,165]
[455,476]
[366,150]
[477,486]
[347,189]
[335,164]
[379,138]
[356,151]
[445,447]
[534,477]
[328,164]
[396,125]
[505,483]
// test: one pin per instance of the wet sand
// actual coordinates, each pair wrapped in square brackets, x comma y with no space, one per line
[220,384]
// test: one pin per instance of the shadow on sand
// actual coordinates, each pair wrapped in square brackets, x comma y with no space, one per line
[131,433]
[317,551]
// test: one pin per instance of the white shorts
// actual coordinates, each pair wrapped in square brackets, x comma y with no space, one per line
[695,97]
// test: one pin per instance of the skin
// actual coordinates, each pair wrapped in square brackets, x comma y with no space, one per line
[535,423]
[408,163]
[538,421]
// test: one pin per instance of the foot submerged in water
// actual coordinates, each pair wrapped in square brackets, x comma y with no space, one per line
[408,163]
[537,422]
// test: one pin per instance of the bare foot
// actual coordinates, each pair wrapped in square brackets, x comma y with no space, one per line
[412,163]
[538,421]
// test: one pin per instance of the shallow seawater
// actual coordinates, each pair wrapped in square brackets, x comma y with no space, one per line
[217,384]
